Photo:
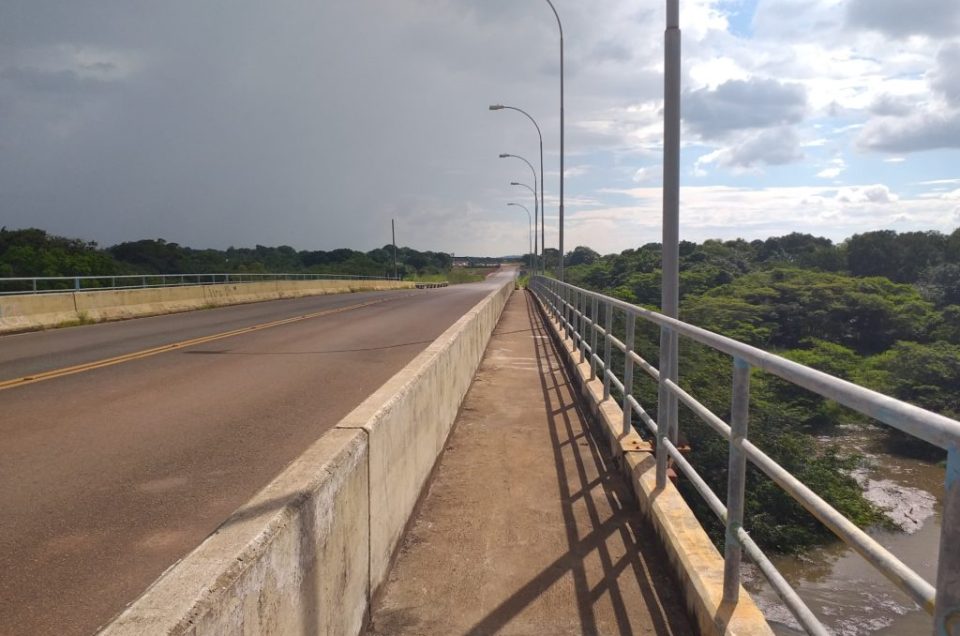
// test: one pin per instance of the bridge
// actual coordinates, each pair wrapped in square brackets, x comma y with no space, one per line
[472,459]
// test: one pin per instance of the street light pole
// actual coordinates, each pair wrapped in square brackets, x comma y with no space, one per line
[543,202]
[393,232]
[524,185]
[534,193]
[530,231]
[560,26]
[535,205]
[670,250]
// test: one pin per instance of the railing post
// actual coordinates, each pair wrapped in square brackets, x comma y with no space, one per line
[582,310]
[593,337]
[34,281]
[565,296]
[736,479]
[76,283]
[608,327]
[574,302]
[946,617]
[665,398]
[628,373]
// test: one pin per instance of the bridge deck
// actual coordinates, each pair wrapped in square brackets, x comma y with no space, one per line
[524,529]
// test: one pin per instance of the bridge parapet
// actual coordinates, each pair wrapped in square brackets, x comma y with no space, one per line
[587,319]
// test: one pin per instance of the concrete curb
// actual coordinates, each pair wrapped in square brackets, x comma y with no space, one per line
[305,554]
[695,560]
[42,311]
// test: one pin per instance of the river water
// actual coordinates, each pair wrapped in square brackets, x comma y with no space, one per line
[848,595]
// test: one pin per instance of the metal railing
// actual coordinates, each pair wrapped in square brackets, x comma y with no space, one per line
[585,316]
[54,284]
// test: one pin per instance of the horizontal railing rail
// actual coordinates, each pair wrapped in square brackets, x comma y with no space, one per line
[54,284]
[585,316]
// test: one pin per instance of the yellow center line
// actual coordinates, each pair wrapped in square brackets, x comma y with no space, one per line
[136,355]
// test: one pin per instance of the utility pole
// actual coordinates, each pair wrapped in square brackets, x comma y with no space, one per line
[393,231]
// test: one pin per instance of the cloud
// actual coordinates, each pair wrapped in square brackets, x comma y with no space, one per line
[921,131]
[900,19]
[649,174]
[256,125]
[834,169]
[40,81]
[946,78]
[576,171]
[772,147]
[727,212]
[743,104]
[877,193]
[892,106]
[903,125]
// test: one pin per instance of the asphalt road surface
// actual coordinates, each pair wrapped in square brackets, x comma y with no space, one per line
[110,474]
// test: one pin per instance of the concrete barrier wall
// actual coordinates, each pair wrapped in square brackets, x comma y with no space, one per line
[696,562]
[408,421]
[41,311]
[293,560]
[305,554]
[22,313]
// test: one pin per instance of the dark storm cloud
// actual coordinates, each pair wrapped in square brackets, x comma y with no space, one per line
[738,105]
[65,81]
[299,122]
[296,122]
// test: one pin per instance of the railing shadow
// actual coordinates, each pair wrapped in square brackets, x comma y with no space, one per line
[576,456]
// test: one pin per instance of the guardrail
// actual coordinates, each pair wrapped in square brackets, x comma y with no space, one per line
[53,284]
[581,312]
[431,285]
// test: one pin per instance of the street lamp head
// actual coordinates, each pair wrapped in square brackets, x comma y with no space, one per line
[515,183]
[511,204]
[496,107]
[504,155]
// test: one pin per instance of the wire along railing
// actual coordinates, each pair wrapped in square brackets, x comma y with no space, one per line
[54,284]
[588,318]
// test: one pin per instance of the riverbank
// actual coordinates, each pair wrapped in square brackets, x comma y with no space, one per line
[849,595]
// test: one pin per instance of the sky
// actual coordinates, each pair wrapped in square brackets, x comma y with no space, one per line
[312,124]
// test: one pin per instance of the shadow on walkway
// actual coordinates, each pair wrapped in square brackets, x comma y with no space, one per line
[550,541]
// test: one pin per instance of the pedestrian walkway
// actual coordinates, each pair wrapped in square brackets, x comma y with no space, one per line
[527,527]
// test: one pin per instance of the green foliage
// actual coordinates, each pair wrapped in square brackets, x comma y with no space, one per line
[900,257]
[33,252]
[580,256]
[927,375]
[782,307]
[882,309]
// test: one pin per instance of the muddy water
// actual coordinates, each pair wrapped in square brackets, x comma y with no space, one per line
[846,593]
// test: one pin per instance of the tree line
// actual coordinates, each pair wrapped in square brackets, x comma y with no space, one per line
[34,252]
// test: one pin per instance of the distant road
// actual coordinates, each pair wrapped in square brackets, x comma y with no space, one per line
[109,475]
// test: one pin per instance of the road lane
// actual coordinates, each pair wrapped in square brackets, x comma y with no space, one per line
[38,351]
[109,476]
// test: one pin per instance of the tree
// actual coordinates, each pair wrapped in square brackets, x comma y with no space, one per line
[901,258]
[580,256]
